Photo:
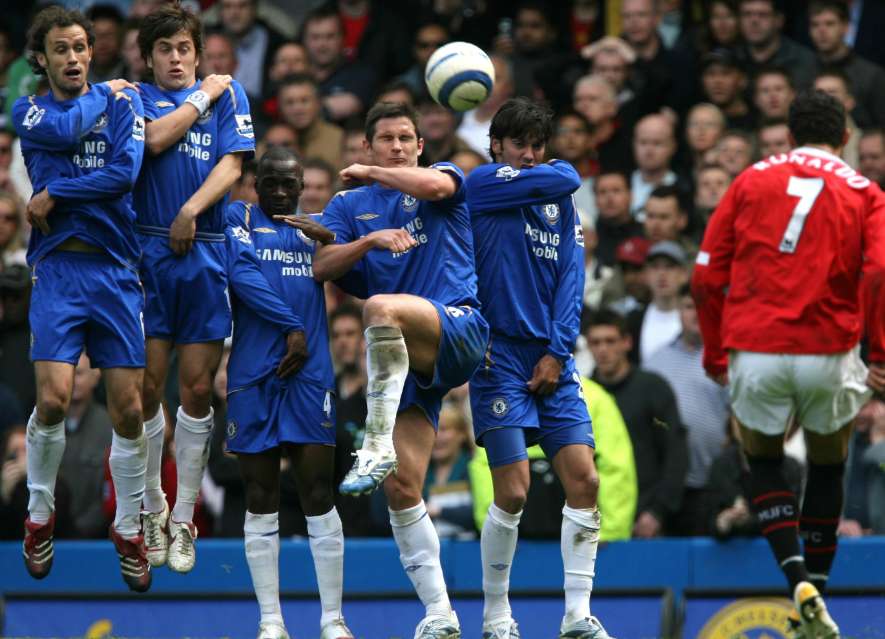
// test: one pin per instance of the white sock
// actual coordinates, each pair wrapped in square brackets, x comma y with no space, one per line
[580,537]
[191,454]
[128,463]
[45,445]
[154,431]
[262,533]
[387,362]
[497,546]
[419,553]
[327,547]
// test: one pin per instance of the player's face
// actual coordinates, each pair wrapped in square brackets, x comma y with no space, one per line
[827,31]
[609,348]
[395,143]
[278,186]
[347,342]
[66,57]
[317,191]
[174,61]
[520,153]
[774,140]
[612,197]
[663,219]
[773,95]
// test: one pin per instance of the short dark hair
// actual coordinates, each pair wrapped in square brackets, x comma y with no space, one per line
[44,22]
[571,113]
[398,85]
[685,290]
[105,12]
[770,122]
[322,12]
[873,132]
[297,79]
[839,7]
[616,172]
[522,118]
[832,71]
[382,110]
[346,309]
[321,165]
[279,154]
[165,22]
[665,191]
[817,118]
[774,4]
[774,69]
[607,317]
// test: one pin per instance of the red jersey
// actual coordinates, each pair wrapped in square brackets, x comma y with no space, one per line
[780,268]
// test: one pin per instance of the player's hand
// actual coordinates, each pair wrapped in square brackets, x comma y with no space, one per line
[309,226]
[876,377]
[119,84]
[394,240]
[296,354]
[182,232]
[646,526]
[355,175]
[214,85]
[39,209]
[545,377]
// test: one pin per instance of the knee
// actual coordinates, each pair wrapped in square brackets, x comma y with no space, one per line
[317,498]
[401,493]
[261,499]
[512,499]
[151,397]
[583,486]
[196,397]
[53,402]
[378,311]
[126,415]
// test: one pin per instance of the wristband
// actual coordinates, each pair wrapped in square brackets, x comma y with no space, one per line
[200,101]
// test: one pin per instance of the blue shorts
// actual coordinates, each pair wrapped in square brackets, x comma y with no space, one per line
[185,296]
[499,398]
[276,411]
[86,300]
[508,445]
[464,335]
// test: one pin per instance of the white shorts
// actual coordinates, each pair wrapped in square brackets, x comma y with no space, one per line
[823,392]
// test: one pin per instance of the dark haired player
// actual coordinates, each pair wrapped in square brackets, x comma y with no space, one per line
[791,269]
[83,147]
[529,266]
[197,134]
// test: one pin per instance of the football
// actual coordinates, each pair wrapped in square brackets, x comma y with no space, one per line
[459,76]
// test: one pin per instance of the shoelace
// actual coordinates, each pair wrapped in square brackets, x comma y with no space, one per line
[152,530]
[438,625]
[184,546]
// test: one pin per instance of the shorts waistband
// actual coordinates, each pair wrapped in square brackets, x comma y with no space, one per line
[76,245]
[159,231]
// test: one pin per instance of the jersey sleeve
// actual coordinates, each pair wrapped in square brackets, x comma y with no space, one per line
[248,282]
[712,274]
[235,122]
[149,102]
[496,187]
[457,174]
[873,283]
[337,218]
[56,130]
[568,298]
[118,176]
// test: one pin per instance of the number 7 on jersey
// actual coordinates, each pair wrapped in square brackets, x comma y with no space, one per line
[807,190]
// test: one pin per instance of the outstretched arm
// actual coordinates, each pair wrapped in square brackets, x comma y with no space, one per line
[423,183]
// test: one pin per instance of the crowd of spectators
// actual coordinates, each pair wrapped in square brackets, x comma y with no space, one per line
[659,105]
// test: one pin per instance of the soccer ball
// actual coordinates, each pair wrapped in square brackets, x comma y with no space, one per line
[459,76]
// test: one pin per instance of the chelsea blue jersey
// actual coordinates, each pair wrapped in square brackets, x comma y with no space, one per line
[440,267]
[529,252]
[284,256]
[87,153]
[169,179]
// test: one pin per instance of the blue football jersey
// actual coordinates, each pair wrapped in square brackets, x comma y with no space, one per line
[169,179]
[87,152]
[440,267]
[529,251]
[284,256]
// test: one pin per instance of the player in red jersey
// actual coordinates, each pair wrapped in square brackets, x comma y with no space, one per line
[792,263]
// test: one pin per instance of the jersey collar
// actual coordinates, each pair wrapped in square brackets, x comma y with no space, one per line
[825,155]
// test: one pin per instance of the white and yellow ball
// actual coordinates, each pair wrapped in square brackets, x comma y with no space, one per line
[459,76]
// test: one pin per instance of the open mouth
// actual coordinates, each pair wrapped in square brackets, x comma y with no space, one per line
[73,74]
[176,73]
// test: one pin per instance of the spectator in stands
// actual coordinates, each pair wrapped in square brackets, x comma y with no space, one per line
[474,127]
[833,81]
[279,134]
[712,183]
[735,151]
[628,291]
[649,408]
[571,142]
[773,93]
[300,107]
[724,83]
[666,218]
[533,46]
[397,91]
[596,274]
[586,23]
[703,410]
[15,334]
[438,130]
[773,137]
[353,151]
[760,23]
[428,38]
[721,28]
[613,59]
[374,35]
[255,43]
[654,145]
[88,431]
[12,249]
[658,324]
[594,98]
[865,474]
[703,128]
[7,55]
[829,25]
[872,155]
[289,59]
[136,68]
[107,25]
[244,188]
[614,223]
[447,486]
[640,20]
[319,182]
[346,88]
[219,55]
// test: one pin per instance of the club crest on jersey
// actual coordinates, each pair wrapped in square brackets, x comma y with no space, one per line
[500,407]
[100,124]
[507,173]
[241,234]
[33,116]
[244,125]
[205,116]
[231,429]
[263,229]
[163,104]
[410,203]
[365,217]
[138,128]
[551,213]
